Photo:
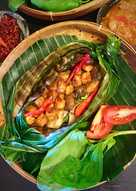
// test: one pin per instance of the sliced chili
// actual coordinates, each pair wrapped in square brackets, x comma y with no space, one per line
[79,110]
[40,110]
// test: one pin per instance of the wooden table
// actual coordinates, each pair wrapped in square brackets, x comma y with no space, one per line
[11,181]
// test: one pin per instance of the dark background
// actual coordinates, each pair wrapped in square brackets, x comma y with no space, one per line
[10,180]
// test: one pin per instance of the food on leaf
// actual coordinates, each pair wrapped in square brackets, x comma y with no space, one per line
[60,96]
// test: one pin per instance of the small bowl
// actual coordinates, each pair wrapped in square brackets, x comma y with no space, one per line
[66,15]
[103,12]
[20,22]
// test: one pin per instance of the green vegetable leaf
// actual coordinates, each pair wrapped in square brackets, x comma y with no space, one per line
[83,173]
[109,143]
[91,170]
[74,171]
[11,156]
[15,4]
[74,144]
[113,46]
[31,162]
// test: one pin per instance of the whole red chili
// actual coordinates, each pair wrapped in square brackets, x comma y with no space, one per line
[84,105]
[85,59]
[9,35]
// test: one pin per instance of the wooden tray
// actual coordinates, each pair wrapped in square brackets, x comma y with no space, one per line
[60,16]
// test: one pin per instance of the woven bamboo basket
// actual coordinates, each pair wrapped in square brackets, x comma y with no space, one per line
[82,29]
[60,16]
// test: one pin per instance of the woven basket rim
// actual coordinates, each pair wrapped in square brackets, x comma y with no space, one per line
[64,15]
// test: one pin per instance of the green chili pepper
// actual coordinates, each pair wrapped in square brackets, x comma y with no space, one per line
[58,5]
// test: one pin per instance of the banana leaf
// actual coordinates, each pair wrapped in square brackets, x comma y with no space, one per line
[11,80]
[29,60]
[125,148]
[117,87]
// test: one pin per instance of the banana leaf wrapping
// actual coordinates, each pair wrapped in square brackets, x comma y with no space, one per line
[25,76]
[21,87]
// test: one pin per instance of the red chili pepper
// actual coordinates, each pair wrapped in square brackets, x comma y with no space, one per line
[35,113]
[83,106]
[119,115]
[107,117]
[83,61]
[46,103]
[40,110]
